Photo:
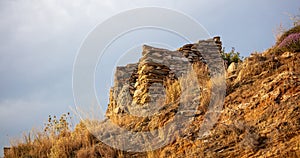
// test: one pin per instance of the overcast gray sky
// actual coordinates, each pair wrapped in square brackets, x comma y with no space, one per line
[40,39]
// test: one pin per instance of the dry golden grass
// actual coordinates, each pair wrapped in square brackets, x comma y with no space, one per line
[260,118]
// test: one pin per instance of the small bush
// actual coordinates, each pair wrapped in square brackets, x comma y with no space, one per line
[231,56]
[295,29]
[55,126]
[291,43]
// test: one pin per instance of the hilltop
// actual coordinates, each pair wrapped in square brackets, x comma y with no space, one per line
[174,91]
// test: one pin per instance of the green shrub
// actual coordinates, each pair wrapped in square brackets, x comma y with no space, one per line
[231,56]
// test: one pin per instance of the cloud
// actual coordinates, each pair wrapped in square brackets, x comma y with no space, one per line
[39,41]
[29,18]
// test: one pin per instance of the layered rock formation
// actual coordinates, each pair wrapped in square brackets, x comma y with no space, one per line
[163,106]
[261,114]
[143,85]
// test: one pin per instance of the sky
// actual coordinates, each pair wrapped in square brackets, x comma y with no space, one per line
[40,40]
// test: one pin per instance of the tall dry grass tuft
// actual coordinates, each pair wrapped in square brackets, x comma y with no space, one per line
[56,140]
[204,83]
[173,91]
[278,32]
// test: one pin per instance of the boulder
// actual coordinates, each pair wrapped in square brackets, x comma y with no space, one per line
[232,68]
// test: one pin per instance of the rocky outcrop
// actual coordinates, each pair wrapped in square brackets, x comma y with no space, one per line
[142,85]
[261,114]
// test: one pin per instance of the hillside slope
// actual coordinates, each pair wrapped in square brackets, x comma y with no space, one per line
[260,116]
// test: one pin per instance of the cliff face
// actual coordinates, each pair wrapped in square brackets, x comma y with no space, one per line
[261,113]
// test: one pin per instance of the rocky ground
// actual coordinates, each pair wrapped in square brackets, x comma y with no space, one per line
[260,116]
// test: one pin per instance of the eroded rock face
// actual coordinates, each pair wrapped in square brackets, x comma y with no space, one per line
[260,117]
[145,82]
[261,114]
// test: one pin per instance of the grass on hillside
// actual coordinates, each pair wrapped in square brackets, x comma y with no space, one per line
[58,140]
